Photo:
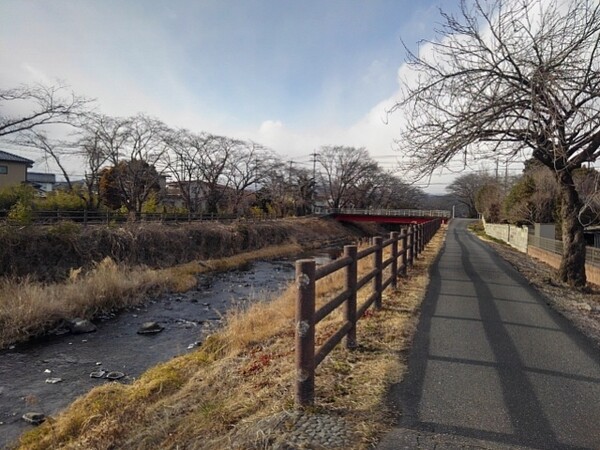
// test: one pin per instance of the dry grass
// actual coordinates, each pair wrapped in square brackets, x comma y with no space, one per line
[50,253]
[29,308]
[214,397]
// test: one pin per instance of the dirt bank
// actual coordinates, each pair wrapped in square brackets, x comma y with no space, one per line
[49,253]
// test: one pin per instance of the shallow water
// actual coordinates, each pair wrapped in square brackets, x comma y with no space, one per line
[116,346]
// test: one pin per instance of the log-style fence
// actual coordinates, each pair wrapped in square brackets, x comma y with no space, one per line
[405,247]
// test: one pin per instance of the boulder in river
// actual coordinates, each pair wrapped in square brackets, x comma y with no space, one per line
[78,326]
[34,418]
[150,328]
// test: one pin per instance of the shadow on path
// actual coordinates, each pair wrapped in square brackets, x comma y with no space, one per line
[491,366]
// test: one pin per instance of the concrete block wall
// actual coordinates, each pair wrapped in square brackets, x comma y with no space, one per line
[553,260]
[511,234]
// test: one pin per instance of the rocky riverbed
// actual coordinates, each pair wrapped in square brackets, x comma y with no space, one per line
[45,375]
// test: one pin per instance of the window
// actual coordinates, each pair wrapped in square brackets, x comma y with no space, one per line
[3,170]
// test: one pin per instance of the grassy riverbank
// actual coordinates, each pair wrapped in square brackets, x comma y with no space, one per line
[224,394]
[30,307]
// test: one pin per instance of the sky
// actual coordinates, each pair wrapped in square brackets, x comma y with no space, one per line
[291,75]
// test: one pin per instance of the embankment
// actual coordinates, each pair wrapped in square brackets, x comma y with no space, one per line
[50,253]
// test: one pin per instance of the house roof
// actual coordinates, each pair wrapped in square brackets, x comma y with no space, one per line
[37,177]
[5,156]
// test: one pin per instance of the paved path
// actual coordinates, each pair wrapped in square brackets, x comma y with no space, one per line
[492,366]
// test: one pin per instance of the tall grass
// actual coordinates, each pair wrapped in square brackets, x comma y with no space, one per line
[221,395]
[29,308]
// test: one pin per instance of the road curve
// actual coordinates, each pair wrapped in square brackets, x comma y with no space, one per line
[492,366]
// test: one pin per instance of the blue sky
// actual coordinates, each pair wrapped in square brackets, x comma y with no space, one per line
[292,75]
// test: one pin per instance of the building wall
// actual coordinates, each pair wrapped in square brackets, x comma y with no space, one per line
[17,174]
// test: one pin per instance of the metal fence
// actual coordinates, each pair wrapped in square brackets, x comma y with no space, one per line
[387,212]
[592,254]
[115,217]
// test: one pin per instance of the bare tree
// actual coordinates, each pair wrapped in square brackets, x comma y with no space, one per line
[138,142]
[182,161]
[214,155]
[343,168]
[90,149]
[246,169]
[465,189]
[51,149]
[44,105]
[514,77]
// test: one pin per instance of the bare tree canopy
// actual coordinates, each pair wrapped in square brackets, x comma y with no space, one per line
[519,77]
[465,189]
[342,169]
[43,105]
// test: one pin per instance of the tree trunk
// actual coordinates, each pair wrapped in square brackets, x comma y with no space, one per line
[572,265]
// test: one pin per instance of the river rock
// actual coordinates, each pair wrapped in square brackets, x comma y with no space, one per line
[53,380]
[79,326]
[34,418]
[98,374]
[114,375]
[150,328]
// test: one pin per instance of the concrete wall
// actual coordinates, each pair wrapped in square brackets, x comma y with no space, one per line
[511,234]
[553,260]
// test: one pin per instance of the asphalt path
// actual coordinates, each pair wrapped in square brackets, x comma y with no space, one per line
[492,366]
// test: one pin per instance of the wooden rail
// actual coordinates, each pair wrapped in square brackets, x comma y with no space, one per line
[405,246]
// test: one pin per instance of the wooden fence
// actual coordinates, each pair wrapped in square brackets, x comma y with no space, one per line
[412,240]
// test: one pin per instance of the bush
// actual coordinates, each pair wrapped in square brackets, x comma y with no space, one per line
[61,201]
[9,196]
[20,213]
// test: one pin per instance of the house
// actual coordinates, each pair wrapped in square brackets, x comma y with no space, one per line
[13,169]
[43,182]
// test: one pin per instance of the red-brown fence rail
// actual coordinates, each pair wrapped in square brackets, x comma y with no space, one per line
[405,247]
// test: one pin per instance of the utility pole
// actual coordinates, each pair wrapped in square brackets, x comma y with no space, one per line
[497,163]
[290,173]
[314,189]
[256,175]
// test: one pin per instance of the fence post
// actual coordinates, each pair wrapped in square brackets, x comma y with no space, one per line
[394,237]
[378,263]
[350,286]
[85,217]
[421,238]
[416,242]
[411,244]
[404,237]
[305,332]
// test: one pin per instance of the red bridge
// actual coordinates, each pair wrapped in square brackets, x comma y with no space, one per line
[387,215]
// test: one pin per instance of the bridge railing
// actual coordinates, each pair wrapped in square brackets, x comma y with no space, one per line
[404,248]
[387,212]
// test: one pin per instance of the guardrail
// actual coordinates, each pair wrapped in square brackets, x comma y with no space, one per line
[387,212]
[413,240]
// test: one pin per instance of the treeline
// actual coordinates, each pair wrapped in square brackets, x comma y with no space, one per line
[531,197]
[138,163]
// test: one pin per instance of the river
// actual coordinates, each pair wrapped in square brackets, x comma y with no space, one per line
[116,345]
